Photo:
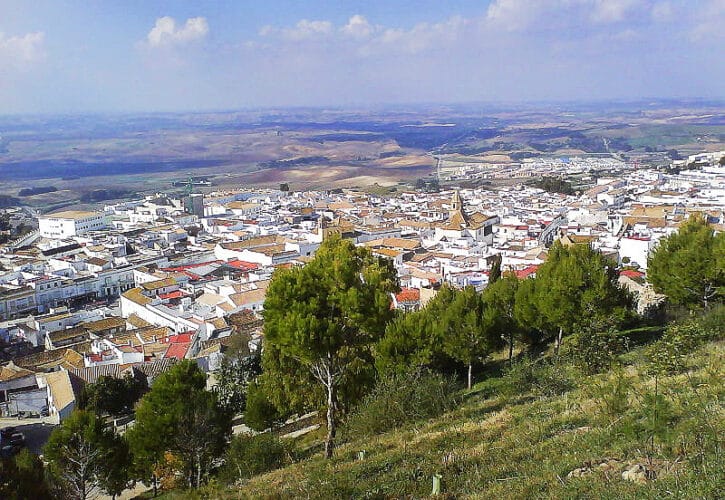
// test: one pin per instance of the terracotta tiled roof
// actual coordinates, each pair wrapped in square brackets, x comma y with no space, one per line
[177,350]
[408,295]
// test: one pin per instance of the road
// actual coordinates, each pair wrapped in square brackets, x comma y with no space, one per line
[36,432]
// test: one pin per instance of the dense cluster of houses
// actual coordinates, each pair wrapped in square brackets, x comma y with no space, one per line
[144,283]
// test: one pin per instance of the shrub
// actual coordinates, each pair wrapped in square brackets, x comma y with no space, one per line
[542,377]
[260,413]
[713,323]
[669,354]
[596,351]
[402,398]
[612,393]
[250,455]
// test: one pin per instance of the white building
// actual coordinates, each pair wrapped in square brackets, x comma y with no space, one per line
[70,223]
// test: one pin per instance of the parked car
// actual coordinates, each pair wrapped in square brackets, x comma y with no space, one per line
[17,439]
[7,432]
[9,451]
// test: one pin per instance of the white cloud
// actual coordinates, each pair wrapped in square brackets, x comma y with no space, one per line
[166,33]
[303,30]
[358,27]
[612,11]
[709,21]
[22,50]
[419,38]
[515,14]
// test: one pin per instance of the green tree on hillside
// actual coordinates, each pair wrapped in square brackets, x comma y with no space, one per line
[328,315]
[689,265]
[23,477]
[286,383]
[468,326]
[260,413]
[500,296]
[85,458]
[415,339]
[236,372]
[179,416]
[495,273]
[113,396]
[575,286]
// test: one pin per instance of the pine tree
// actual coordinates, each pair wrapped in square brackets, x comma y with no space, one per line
[86,458]
[468,326]
[328,315]
[179,416]
[689,266]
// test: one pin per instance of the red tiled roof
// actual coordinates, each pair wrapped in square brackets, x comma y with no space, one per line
[631,273]
[408,295]
[527,271]
[177,294]
[240,264]
[177,350]
[176,339]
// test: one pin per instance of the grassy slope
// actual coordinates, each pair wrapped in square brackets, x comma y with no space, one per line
[523,446]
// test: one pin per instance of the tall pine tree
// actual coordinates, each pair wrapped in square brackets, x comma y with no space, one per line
[328,315]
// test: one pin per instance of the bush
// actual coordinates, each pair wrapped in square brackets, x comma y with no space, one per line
[260,414]
[250,455]
[543,378]
[713,323]
[668,355]
[612,393]
[402,398]
[596,351]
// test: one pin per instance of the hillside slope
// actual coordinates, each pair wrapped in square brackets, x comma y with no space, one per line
[575,443]
[560,434]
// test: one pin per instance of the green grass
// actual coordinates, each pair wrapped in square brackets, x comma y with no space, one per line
[499,444]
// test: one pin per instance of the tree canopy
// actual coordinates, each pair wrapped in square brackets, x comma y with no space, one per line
[114,396]
[415,339]
[575,285]
[689,265]
[180,417]
[236,372]
[328,314]
[500,297]
[467,328]
[85,458]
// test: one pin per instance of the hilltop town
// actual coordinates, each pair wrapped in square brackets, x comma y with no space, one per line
[141,284]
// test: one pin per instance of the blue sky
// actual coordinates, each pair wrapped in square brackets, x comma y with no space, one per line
[145,55]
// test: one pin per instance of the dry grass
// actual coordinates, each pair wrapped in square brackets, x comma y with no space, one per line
[524,447]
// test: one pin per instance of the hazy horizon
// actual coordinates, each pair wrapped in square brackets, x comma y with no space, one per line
[69,56]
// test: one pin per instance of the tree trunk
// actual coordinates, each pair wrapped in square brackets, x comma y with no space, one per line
[511,348]
[331,423]
[198,470]
[558,341]
[470,375]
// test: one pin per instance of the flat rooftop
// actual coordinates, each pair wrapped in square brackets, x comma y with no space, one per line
[71,214]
